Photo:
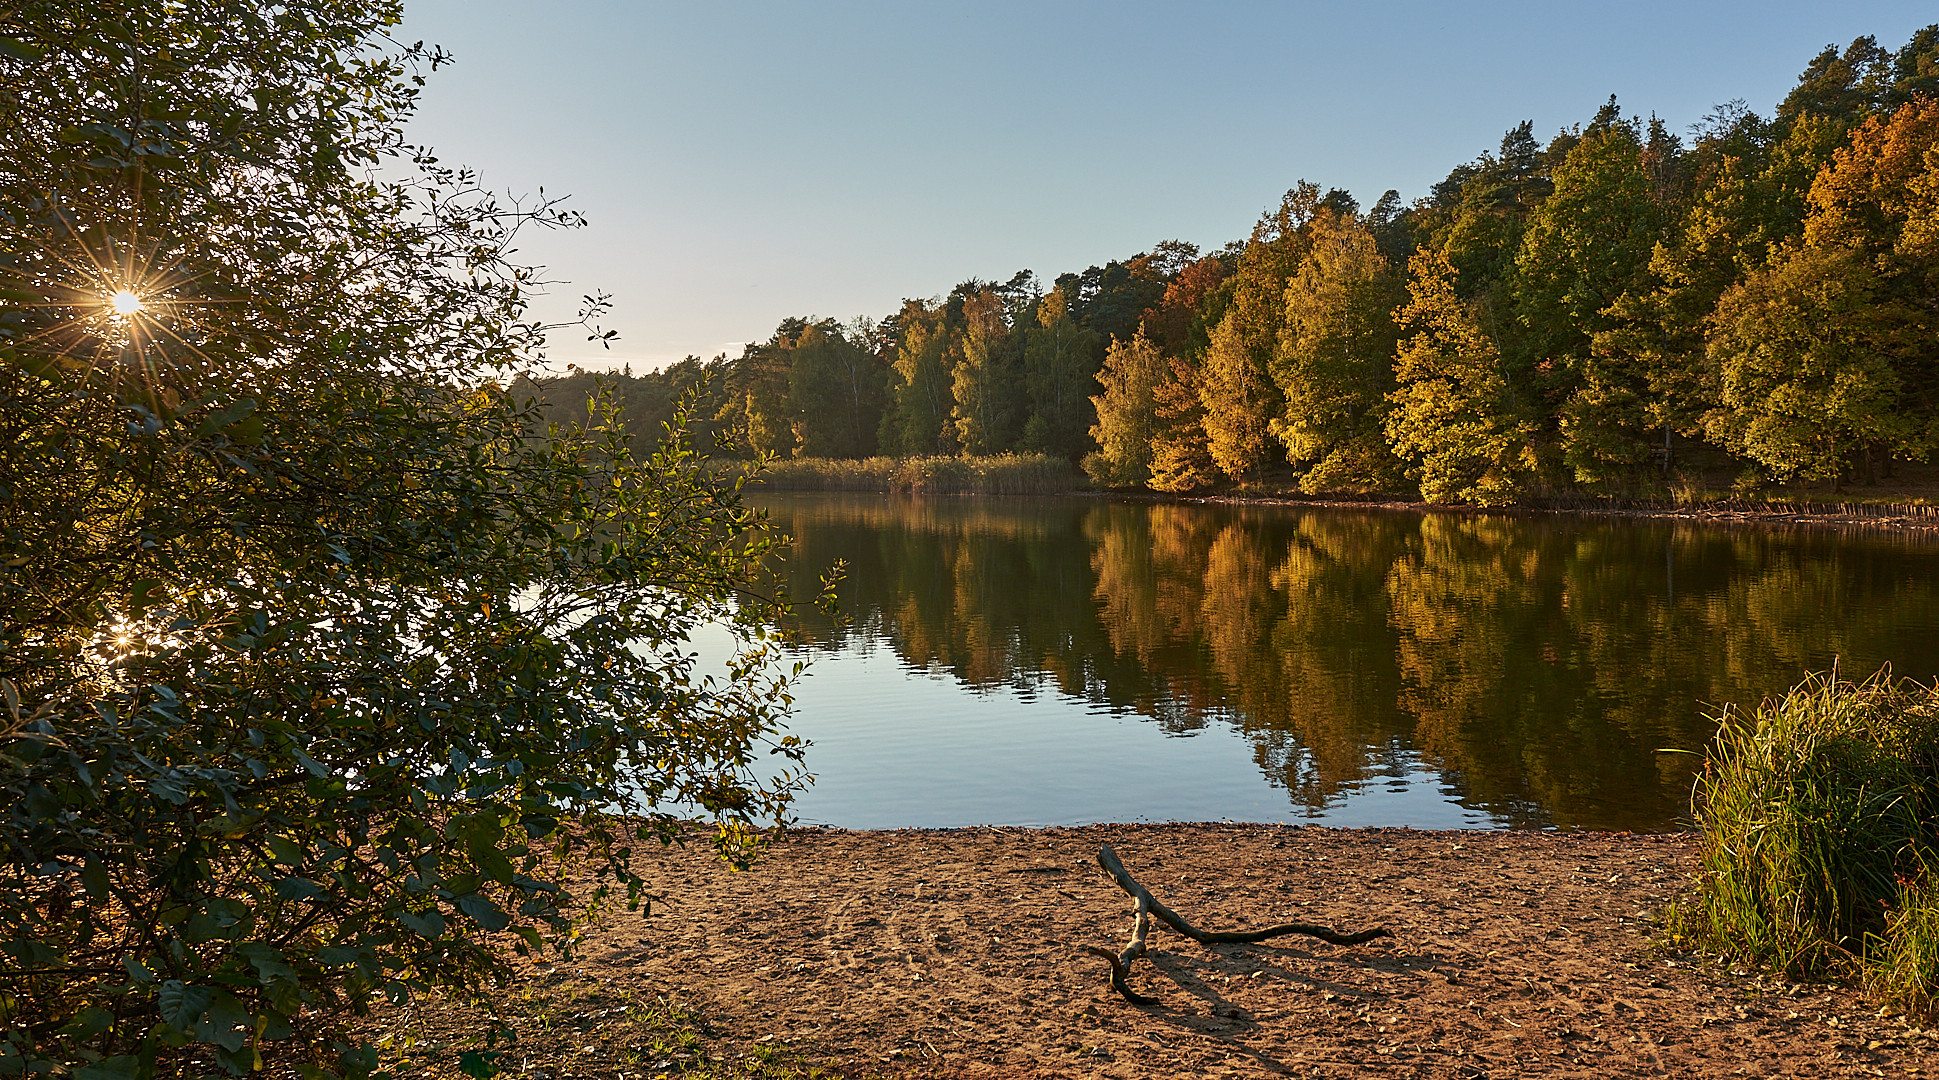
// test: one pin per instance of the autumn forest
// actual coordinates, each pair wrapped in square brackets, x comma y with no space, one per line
[1572,316]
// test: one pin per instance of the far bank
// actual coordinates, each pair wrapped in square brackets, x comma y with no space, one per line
[1908,501]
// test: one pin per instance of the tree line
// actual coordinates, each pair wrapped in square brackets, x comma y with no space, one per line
[1568,316]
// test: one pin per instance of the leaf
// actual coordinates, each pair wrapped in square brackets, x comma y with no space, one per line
[227,1023]
[18,50]
[495,865]
[122,1067]
[484,912]
[309,763]
[182,1005]
[94,878]
[223,419]
[428,924]
[144,594]
[267,960]
[32,953]
[341,955]
[88,1023]
[298,888]
[285,851]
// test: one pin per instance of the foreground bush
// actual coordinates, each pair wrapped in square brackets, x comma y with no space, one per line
[320,669]
[1817,813]
[997,474]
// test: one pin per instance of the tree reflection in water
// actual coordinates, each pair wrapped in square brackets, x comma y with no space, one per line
[1538,663]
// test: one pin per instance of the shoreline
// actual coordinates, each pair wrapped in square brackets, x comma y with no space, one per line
[961,953]
[1909,517]
[1919,516]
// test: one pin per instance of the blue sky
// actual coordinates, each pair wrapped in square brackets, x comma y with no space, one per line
[742,162]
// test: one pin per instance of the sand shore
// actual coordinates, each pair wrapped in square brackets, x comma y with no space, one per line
[958,953]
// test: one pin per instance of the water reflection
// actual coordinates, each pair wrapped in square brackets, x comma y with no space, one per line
[1537,664]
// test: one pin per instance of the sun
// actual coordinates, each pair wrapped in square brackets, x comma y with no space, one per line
[125,303]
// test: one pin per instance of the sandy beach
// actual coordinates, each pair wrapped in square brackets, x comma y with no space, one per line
[960,953]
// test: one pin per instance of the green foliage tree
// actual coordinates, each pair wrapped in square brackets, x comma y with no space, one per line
[1477,214]
[835,393]
[1586,246]
[1838,86]
[1110,300]
[645,403]
[1865,80]
[1127,418]
[1335,361]
[756,405]
[1456,418]
[1824,354]
[985,381]
[920,422]
[323,661]
[1805,391]
[1657,327]
[1589,239]
[1059,370]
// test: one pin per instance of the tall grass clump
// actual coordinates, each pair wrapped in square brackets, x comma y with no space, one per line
[997,474]
[1907,969]
[1817,813]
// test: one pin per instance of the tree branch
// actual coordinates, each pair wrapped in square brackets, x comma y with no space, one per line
[1148,906]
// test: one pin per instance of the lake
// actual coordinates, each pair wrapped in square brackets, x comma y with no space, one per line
[1068,660]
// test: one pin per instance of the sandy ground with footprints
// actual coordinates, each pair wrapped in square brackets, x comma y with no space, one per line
[959,953]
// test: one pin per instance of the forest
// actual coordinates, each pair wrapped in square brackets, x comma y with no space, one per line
[1576,316]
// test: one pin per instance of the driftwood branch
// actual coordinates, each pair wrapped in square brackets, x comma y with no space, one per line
[1148,906]
[1121,962]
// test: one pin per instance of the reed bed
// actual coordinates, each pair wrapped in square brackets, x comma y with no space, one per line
[998,474]
[1817,812]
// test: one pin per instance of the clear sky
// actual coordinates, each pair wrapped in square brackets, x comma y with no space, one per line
[743,162]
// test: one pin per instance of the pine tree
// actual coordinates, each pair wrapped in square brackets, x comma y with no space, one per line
[1181,451]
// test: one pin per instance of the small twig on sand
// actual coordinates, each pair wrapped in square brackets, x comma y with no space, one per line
[1148,906]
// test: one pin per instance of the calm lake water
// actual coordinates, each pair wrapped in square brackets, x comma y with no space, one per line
[1068,660]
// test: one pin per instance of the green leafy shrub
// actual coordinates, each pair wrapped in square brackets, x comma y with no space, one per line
[323,659]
